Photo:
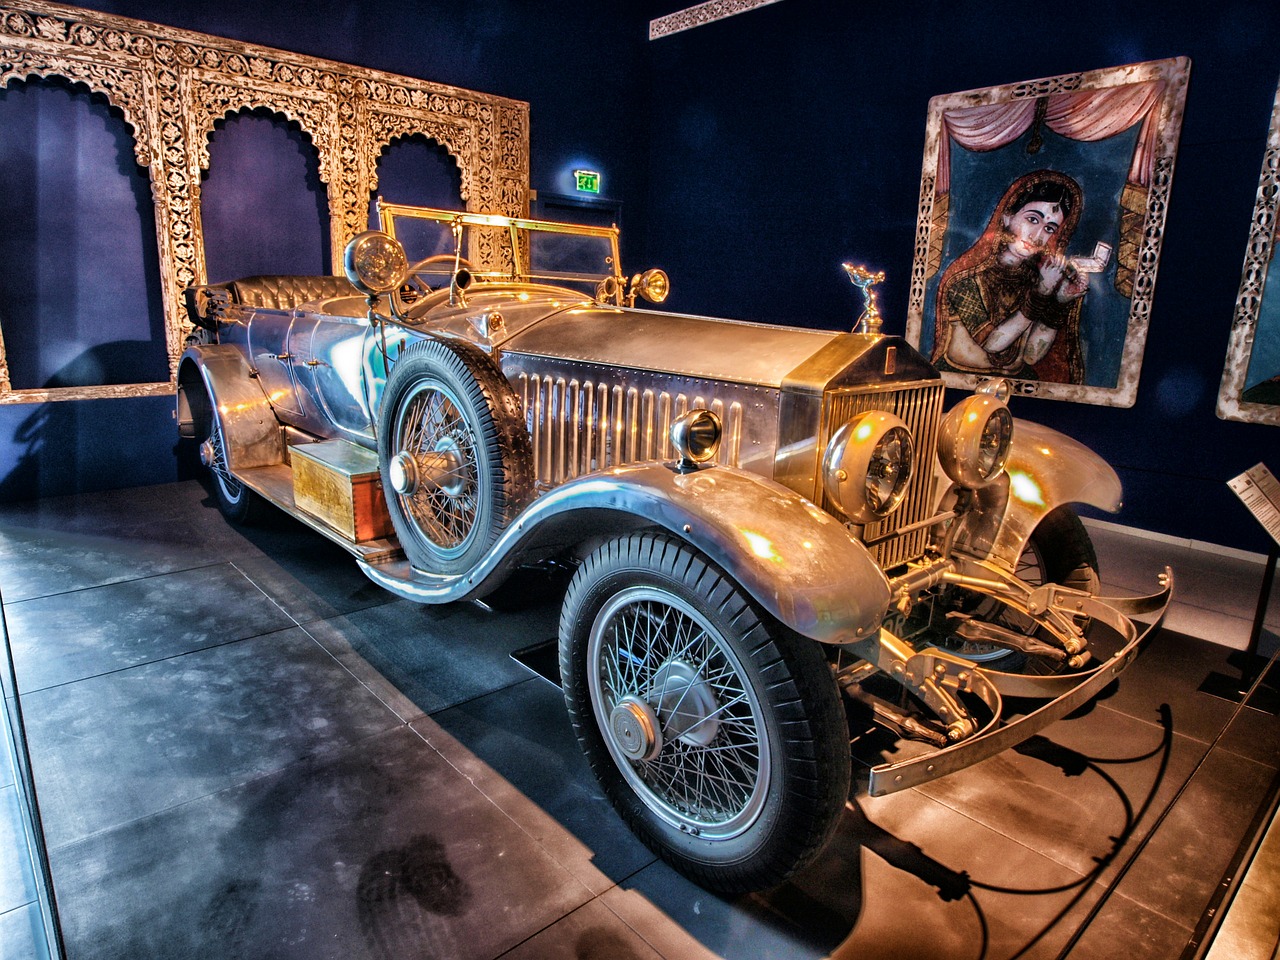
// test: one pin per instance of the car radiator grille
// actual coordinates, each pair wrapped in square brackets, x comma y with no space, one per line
[578,426]
[919,406]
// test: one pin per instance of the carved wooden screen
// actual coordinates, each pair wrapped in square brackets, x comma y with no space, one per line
[173,85]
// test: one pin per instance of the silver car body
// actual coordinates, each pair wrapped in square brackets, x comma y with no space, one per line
[288,361]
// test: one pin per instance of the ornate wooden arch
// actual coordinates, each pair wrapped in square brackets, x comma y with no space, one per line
[173,85]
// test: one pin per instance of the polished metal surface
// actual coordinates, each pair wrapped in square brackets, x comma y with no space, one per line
[1047,468]
[798,562]
[974,440]
[726,351]
[863,456]
[250,432]
[1078,689]
[919,406]
[823,496]
[583,418]
[705,766]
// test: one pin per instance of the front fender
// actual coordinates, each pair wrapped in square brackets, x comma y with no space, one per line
[250,430]
[796,561]
[1045,470]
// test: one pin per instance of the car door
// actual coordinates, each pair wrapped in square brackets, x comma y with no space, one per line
[330,373]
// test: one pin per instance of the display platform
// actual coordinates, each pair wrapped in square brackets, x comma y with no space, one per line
[242,748]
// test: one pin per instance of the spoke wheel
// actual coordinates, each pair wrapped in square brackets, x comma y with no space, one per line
[1058,551]
[237,502]
[681,721]
[454,455]
[717,734]
[436,443]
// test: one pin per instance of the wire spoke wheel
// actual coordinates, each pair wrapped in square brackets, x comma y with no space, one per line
[433,429]
[718,735]
[236,502]
[1058,551]
[704,768]
[455,459]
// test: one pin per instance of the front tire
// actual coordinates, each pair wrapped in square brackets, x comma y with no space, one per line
[717,734]
[1060,551]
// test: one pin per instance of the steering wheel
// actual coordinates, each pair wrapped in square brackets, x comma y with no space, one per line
[414,287]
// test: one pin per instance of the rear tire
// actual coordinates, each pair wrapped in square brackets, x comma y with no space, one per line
[717,734]
[237,503]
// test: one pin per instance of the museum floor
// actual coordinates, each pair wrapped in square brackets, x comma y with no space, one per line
[243,749]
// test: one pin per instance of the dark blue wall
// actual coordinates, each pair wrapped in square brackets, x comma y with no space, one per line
[580,69]
[793,136]
[753,155]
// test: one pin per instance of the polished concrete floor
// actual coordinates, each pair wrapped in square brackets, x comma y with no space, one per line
[241,748]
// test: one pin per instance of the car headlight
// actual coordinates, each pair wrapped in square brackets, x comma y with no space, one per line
[696,437]
[974,440]
[867,466]
[652,285]
[375,263]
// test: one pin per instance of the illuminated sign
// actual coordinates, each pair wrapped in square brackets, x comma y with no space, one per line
[587,181]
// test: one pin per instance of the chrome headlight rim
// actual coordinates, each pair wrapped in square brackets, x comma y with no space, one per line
[696,436]
[375,263]
[873,447]
[975,439]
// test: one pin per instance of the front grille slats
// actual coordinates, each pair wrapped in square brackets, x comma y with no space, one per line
[919,406]
[577,427]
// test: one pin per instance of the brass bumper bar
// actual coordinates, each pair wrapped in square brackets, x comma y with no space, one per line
[1070,691]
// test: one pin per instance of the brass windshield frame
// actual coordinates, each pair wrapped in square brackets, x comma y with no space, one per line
[519,260]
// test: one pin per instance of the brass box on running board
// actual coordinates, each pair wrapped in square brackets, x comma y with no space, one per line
[338,483]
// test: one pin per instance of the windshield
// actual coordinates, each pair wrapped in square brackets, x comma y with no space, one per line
[502,248]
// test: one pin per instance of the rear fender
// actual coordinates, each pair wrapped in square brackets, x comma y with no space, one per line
[796,561]
[219,375]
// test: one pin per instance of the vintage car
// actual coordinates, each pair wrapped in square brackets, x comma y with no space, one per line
[775,534]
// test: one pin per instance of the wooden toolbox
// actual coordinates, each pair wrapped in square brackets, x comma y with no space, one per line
[337,482]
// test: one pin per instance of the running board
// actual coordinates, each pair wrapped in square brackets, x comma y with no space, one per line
[275,484]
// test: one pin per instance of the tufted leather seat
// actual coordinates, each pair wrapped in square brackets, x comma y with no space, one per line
[282,292]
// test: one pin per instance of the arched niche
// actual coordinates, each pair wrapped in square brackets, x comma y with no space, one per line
[79,285]
[263,205]
[416,170]
[172,87]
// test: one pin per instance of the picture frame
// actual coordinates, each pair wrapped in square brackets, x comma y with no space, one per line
[1250,389]
[1041,218]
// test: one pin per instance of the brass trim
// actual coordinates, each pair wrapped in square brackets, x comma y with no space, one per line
[173,85]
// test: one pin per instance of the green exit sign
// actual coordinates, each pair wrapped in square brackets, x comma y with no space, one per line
[588,181]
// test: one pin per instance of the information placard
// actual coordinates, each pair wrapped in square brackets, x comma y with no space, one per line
[1259,490]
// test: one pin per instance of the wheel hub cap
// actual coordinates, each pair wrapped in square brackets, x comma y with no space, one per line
[402,471]
[685,703]
[208,453]
[634,727]
[437,470]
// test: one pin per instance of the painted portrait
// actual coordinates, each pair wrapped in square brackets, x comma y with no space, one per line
[1041,216]
[1250,388]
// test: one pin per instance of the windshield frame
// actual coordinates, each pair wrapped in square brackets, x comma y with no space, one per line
[517,231]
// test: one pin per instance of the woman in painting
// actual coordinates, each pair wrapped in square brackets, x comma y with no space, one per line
[1010,304]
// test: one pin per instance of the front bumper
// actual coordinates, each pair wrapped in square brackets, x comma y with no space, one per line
[938,678]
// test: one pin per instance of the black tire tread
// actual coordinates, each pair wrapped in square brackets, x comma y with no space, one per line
[798,687]
[501,432]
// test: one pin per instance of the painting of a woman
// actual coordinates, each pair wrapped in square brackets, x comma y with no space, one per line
[1010,305]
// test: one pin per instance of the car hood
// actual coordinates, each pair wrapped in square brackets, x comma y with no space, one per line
[723,350]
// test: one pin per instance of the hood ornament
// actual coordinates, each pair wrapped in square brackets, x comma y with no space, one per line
[865,281]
